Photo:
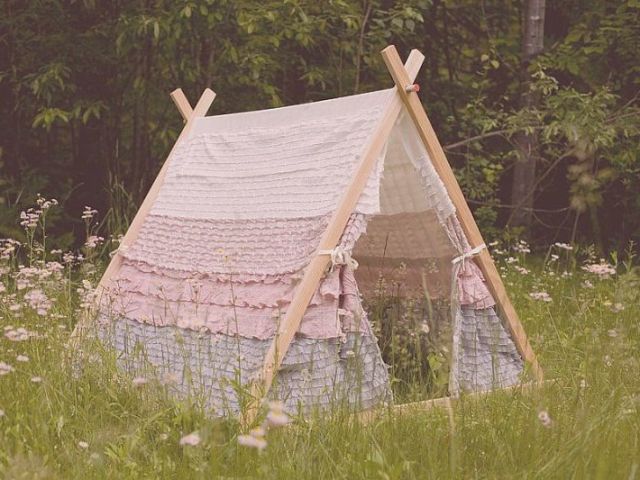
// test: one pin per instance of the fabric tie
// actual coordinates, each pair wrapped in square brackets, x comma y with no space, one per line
[471,253]
[340,256]
[120,249]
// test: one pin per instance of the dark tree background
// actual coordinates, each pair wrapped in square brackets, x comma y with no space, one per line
[86,117]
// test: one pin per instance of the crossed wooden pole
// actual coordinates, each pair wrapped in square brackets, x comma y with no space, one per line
[405,95]
[189,115]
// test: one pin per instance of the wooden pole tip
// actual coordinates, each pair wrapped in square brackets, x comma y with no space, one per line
[388,49]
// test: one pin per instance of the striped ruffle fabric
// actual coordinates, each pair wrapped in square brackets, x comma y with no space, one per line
[270,172]
[249,307]
[213,255]
[202,290]
[215,369]
[486,355]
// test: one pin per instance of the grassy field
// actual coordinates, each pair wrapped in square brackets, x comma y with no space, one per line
[59,422]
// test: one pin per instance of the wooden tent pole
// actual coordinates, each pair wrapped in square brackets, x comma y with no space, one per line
[316,268]
[402,78]
[200,110]
[182,104]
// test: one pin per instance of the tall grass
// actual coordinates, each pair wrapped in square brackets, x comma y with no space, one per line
[95,422]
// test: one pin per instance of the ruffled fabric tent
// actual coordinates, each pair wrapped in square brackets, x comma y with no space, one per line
[200,294]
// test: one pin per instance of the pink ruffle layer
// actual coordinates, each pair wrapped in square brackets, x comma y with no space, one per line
[472,288]
[222,290]
[251,306]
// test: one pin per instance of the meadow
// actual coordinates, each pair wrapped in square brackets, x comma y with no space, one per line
[66,413]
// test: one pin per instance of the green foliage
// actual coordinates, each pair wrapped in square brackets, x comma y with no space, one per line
[67,413]
[85,107]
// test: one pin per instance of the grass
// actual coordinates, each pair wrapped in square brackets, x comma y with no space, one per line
[93,422]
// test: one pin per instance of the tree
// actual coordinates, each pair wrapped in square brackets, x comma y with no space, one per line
[527,151]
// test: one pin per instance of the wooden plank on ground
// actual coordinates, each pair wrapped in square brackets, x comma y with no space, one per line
[443,402]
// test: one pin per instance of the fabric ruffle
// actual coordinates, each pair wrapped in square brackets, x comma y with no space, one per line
[224,290]
[486,355]
[298,171]
[252,307]
[472,288]
[316,373]
[319,321]
[238,247]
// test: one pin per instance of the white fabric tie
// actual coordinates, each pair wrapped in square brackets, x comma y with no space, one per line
[340,256]
[471,253]
[120,249]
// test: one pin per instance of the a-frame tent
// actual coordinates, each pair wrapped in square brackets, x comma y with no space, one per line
[273,207]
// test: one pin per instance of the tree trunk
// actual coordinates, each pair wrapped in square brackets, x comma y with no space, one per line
[524,174]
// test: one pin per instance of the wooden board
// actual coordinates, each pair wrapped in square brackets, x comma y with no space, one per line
[316,268]
[368,416]
[468,223]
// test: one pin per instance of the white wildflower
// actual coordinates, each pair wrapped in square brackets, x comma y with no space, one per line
[542,296]
[617,308]
[18,335]
[563,246]
[36,379]
[255,439]
[22,358]
[192,439]
[276,416]
[37,300]
[88,213]
[15,307]
[139,381]
[83,445]
[29,219]
[522,247]
[93,241]
[602,269]
[545,418]
[5,368]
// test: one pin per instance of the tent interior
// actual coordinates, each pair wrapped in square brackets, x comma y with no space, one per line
[403,312]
